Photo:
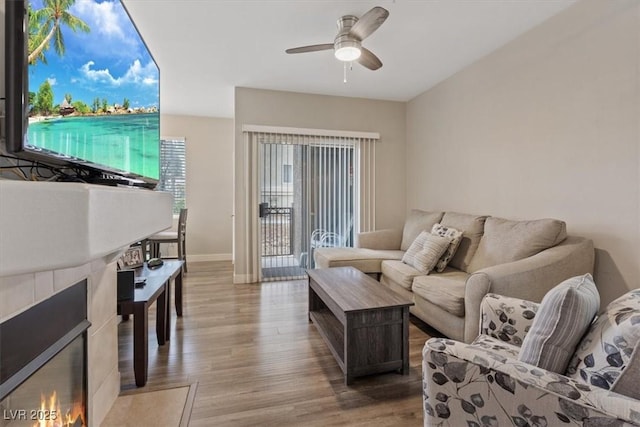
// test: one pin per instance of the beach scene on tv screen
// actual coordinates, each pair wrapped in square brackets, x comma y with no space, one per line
[93,86]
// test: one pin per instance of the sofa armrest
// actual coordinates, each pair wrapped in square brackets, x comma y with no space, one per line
[468,385]
[528,279]
[505,318]
[389,239]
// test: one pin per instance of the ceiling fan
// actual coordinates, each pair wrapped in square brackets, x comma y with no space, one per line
[347,45]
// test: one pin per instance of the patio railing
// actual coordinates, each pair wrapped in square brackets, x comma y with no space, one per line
[277,231]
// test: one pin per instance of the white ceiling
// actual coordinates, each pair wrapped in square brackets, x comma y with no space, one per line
[205,48]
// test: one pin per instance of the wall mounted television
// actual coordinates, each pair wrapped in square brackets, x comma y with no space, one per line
[82,89]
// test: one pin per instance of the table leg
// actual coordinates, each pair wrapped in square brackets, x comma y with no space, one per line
[167,312]
[349,351]
[405,341]
[178,296]
[140,343]
[161,317]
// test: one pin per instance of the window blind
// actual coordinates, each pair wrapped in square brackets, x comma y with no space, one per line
[173,171]
[314,191]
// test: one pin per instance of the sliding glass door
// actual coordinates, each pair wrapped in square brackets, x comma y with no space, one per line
[306,201]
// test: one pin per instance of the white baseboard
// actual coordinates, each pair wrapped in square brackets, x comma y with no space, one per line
[209,257]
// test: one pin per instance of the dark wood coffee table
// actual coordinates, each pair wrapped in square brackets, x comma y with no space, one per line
[364,323]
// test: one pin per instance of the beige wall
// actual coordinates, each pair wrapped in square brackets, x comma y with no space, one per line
[547,126]
[288,109]
[209,146]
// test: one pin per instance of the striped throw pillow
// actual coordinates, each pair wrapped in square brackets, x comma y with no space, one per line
[425,251]
[564,315]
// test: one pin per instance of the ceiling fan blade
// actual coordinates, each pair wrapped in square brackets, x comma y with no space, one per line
[312,48]
[369,22]
[369,60]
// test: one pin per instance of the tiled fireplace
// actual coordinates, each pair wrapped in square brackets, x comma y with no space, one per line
[39,264]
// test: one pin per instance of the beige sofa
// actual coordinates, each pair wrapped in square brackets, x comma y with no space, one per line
[521,259]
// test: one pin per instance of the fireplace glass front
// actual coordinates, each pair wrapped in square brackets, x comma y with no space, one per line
[43,362]
[54,395]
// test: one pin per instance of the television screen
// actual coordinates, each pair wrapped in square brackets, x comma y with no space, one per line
[93,90]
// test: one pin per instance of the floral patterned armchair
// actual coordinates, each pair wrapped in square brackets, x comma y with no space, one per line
[484,383]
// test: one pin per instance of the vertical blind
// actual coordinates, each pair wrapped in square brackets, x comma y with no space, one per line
[173,171]
[325,182]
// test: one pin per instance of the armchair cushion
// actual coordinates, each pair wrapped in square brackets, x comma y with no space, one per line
[563,317]
[469,385]
[607,357]
[505,240]
[417,222]
[505,318]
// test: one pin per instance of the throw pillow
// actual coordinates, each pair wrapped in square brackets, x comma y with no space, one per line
[417,222]
[456,238]
[563,317]
[609,355]
[425,251]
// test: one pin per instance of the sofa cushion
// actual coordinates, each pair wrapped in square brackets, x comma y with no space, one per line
[445,290]
[506,241]
[417,222]
[564,315]
[472,227]
[455,235]
[365,260]
[399,272]
[425,251]
[607,356]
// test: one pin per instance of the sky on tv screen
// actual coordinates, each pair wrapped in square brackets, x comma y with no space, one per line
[109,62]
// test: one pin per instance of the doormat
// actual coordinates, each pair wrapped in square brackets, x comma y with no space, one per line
[168,407]
[283,273]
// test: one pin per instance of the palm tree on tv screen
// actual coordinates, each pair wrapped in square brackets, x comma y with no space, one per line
[51,17]
[34,37]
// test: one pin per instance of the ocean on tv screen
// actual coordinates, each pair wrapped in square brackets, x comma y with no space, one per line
[126,142]
[97,98]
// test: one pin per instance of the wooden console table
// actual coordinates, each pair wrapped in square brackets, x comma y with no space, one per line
[157,289]
[171,268]
[364,323]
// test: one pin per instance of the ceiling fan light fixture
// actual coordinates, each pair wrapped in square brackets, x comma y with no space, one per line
[347,50]
[347,45]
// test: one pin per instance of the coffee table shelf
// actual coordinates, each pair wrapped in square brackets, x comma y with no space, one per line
[332,331]
[364,324]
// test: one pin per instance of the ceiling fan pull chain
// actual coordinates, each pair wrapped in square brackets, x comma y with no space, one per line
[344,75]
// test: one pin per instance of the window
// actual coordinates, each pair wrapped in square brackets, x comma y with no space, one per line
[287,174]
[173,168]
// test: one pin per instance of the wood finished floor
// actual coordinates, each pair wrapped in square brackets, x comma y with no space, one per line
[258,361]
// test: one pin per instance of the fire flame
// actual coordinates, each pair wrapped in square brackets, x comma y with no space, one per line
[50,414]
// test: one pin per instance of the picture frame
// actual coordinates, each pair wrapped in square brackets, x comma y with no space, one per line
[132,258]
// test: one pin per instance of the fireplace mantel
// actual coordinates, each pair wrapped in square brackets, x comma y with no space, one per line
[51,225]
